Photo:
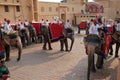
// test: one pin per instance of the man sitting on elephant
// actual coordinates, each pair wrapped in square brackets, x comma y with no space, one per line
[95,30]
[68,27]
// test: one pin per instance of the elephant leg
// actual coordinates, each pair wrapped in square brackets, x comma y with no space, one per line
[93,64]
[7,51]
[35,36]
[66,44]
[19,53]
[45,42]
[99,63]
[78,30]
[117,49]
[61,45]
[33,40]
[111,50]
[44,46]
[27,38]
[89,65]
[49,46]
[36,40]
[23,41]
[19,46]
[49,43]
[40,38]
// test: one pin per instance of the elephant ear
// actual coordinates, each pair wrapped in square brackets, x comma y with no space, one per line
[68,33]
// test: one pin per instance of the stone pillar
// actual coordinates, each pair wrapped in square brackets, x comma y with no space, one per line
[32,10]
[35,9]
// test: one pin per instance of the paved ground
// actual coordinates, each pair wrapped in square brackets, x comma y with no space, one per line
[37,64]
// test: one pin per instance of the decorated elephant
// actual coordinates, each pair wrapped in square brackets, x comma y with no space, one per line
[25,36]
[32,33]
[115,40]
[14,41]
[47,32]
[93,45]
[70,35]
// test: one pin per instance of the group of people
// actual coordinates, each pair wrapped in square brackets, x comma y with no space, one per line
[67,24]
[108,27]
[96,24]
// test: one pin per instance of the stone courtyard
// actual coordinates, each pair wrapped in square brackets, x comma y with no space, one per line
[37,64]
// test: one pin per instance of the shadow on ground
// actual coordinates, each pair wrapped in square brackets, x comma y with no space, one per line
[107,73]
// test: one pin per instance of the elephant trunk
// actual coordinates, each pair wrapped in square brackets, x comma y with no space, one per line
[72,42]
[19,46]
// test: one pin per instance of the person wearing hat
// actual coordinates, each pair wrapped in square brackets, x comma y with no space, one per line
[94,28]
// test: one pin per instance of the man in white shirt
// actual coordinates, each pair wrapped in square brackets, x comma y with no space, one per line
[7,27]
[21,26]
[26,23]
[67,27]
[94,28]
[67,24]
[47,23]
[118,26]
[42,22]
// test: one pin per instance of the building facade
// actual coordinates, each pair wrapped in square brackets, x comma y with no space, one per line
[69,9]
[74,10]
[35,10]
[111,8]
[18,9]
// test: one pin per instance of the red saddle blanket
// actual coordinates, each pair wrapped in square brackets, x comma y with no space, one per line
[106,46]
[37,27]
[56,32]
[83,25]
[1,49]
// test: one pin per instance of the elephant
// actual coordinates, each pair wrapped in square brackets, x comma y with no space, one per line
[25,36]
[115,40]
[14,41]
[93,45]
[67,34]
[32,33]
[83,25]
[46,35]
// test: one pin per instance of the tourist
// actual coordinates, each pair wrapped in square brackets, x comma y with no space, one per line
[93,27]
[42,22]
[68,26]
[7,27]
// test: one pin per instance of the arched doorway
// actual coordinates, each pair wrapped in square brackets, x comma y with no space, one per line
[63,17]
